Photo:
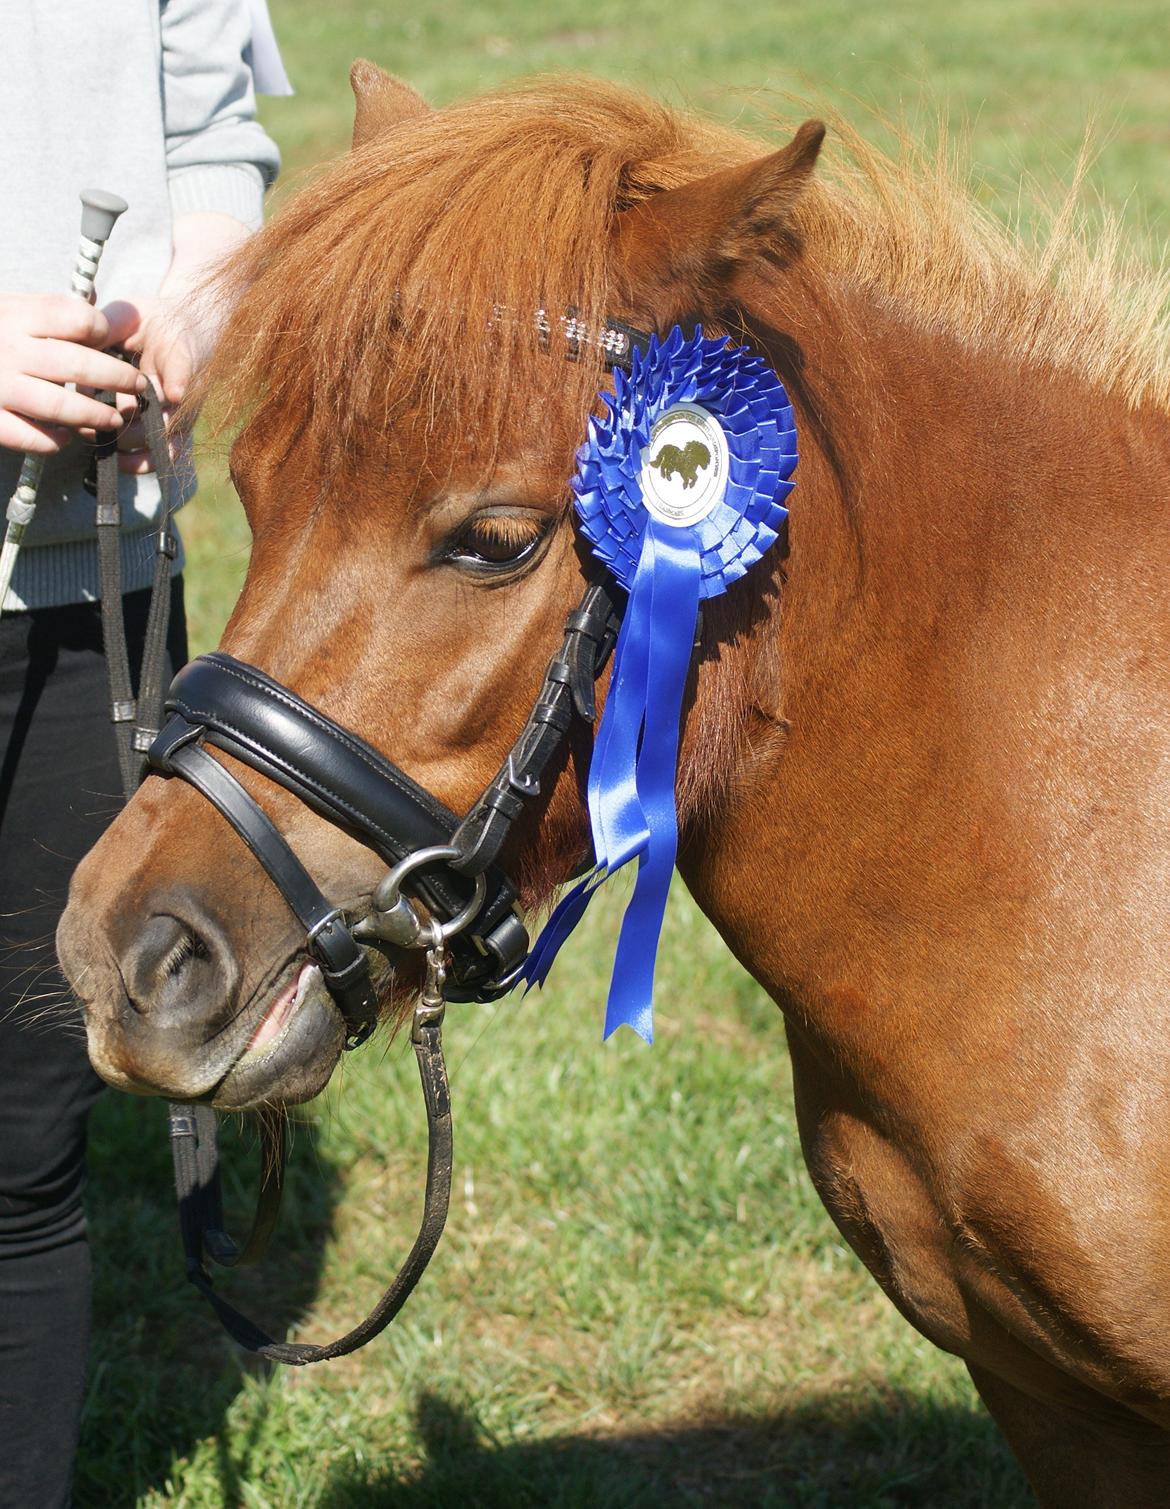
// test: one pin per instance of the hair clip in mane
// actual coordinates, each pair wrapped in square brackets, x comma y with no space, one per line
[616,340]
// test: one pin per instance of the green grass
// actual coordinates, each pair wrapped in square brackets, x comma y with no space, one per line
[1023,77]
[639,1300]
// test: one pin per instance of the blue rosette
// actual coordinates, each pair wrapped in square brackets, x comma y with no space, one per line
[679,490]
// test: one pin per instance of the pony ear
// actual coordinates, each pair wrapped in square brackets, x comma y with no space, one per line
[382,101]
[683,237]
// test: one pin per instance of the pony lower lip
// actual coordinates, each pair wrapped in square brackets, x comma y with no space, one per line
[277,1016]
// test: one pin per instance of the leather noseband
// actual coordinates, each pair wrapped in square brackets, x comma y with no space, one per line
[219,701]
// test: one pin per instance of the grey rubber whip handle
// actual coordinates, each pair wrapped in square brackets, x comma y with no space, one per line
[99,211]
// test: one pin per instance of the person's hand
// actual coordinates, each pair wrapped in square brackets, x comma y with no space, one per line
[167,341]
[47,340]
[174,330]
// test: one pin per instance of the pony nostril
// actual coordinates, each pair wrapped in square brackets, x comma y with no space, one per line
[170,962]
[189,946]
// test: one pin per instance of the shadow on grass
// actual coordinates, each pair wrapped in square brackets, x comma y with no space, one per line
[891,1453]
[162,1372]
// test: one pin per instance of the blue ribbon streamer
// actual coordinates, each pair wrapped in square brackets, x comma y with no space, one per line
[616,816]
[667,569]
[674,571]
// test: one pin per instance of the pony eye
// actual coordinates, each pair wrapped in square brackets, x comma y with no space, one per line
[498,541]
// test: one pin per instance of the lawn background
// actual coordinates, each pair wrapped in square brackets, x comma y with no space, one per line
[639,1299]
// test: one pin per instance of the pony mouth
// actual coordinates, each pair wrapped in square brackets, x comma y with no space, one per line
[294,1043]
[275,1022]
[292,1049]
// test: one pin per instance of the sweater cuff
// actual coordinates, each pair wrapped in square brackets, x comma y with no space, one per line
[236,190]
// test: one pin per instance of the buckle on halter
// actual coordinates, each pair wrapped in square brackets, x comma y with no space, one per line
[326,922]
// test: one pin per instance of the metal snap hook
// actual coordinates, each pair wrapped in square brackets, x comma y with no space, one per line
[432,1003]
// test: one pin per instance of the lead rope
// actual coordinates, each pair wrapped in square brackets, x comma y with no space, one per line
[427,1041]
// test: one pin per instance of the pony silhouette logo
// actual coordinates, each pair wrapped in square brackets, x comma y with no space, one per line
[684,468]
[688,462]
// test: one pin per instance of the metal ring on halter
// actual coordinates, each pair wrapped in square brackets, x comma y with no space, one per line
[388,893]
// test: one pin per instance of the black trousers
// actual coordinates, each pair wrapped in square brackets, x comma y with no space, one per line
[59,788]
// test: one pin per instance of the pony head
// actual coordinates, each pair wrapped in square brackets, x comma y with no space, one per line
[406,434]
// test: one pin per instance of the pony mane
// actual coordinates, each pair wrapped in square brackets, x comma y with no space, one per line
[404,282]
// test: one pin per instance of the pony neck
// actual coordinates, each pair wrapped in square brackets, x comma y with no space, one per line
[951,510]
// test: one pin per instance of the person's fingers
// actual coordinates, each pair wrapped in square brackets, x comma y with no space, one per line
[64,361]
[124,320]
[62,316]
[20,434]
[168,355]
[174,364]
[175,386]
[32,398]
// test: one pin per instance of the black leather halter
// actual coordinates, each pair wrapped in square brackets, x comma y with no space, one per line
[219,701]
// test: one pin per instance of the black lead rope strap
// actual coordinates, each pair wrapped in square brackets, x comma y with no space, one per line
[123,706]
[195,1151]
[151,690]
[135,720]
[428,1048]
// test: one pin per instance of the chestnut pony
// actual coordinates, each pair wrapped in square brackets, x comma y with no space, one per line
[924,784]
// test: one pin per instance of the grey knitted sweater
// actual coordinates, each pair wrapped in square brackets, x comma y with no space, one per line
[153,101]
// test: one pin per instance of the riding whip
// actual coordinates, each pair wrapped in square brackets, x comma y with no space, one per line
[98,215]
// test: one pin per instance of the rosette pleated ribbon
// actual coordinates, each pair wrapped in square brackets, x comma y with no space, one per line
[679,490]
